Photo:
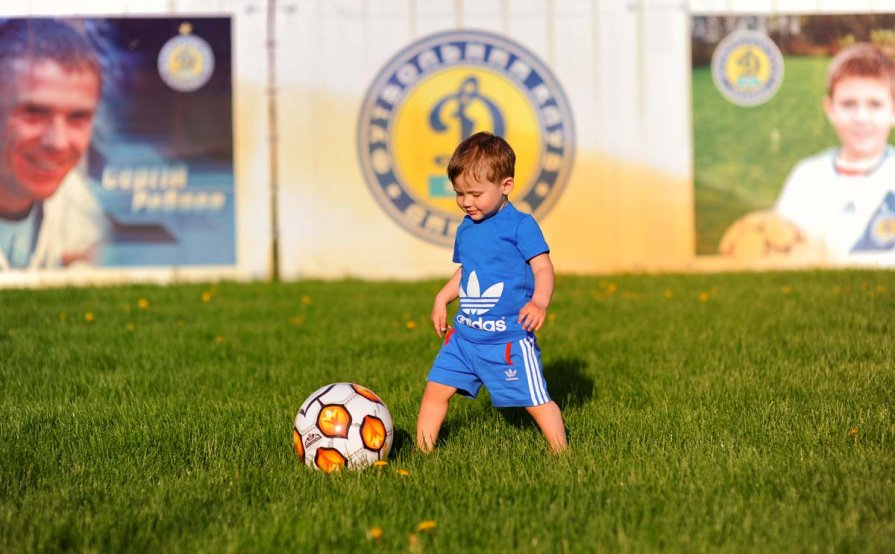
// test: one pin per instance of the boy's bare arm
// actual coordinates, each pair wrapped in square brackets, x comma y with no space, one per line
[448,293]
[532,315]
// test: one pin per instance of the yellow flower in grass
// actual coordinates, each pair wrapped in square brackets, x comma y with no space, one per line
[219,339]
[667,294]
[297,320]
[375,534]
[703,296]
[411,325]
[88,317]
[380,463]
[403,473]
[207,296]
[611,288]
[786,289]
[427,526]
[143,304]
[853,433]
[305,299]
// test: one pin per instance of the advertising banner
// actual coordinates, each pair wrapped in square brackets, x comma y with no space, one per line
[372,104]
[117,143]
[791,122]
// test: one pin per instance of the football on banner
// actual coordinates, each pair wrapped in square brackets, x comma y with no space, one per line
[342,425]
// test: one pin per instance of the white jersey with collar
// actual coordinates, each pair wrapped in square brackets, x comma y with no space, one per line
[71,227]
[851,216]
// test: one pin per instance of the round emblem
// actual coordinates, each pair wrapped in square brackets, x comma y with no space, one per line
[747,68]
[883,229]
[439,91]
[186,62]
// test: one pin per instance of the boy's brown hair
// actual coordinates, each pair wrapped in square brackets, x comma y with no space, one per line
[861,60]
[485,156]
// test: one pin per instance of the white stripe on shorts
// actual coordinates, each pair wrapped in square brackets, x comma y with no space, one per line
[533,372]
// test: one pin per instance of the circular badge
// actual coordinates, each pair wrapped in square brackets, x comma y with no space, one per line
[186,62]
[747,68]
[883,229]
[437,92]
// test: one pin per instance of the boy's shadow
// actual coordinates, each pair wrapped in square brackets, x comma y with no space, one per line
[568,385]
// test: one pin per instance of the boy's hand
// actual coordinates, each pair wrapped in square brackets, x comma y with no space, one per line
[439,318]
[532,315]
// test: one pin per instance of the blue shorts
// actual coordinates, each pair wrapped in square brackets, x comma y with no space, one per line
[511,371]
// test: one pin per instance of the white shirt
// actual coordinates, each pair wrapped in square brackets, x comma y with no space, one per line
[852,217]
[69,231]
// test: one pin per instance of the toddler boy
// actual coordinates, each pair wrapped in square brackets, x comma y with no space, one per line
[505,283]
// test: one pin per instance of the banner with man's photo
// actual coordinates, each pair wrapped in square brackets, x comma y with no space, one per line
[791,123]
[117,143]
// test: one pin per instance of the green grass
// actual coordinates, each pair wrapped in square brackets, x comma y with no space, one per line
[705,413]
[743,155]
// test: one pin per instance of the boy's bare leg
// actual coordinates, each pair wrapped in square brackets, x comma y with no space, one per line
[433,410]
[549,419]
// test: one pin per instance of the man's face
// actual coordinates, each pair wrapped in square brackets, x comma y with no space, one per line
[862,111]
[46,121]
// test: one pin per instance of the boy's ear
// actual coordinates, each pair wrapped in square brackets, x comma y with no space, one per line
[828,105]
[507,185]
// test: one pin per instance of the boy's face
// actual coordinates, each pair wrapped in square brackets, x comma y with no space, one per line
[862,111]
[46,122]
[479,199]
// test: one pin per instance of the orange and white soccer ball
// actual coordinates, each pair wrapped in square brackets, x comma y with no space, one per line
[342,425]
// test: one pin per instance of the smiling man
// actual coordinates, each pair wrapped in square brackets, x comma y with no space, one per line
[49,94]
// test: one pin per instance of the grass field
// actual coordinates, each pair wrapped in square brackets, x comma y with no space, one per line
[740,412]
[743,155]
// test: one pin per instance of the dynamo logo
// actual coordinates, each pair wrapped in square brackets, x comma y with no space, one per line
[437,92]
[472,302]
[880,232]
[747,68]
[186,61]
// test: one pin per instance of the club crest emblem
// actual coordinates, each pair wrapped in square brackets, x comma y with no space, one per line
[880,232]
[186,61]
[747,68]
[439,91]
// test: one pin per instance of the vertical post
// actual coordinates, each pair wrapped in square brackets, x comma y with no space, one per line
[273,140]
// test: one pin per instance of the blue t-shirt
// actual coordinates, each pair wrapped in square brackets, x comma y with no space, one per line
[496,280]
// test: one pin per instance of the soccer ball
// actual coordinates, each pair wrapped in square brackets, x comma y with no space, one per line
[763,235]
[342,425]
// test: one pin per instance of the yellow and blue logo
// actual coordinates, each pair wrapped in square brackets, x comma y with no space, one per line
[437,92]
[747,68]
[186,61]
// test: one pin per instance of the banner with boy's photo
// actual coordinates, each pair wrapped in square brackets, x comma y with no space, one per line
[117,143]
[791,122]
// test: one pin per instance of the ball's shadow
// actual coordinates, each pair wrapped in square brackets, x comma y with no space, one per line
[401,440]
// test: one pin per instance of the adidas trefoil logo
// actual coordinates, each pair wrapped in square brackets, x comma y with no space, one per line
[511,375]
[474,302]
